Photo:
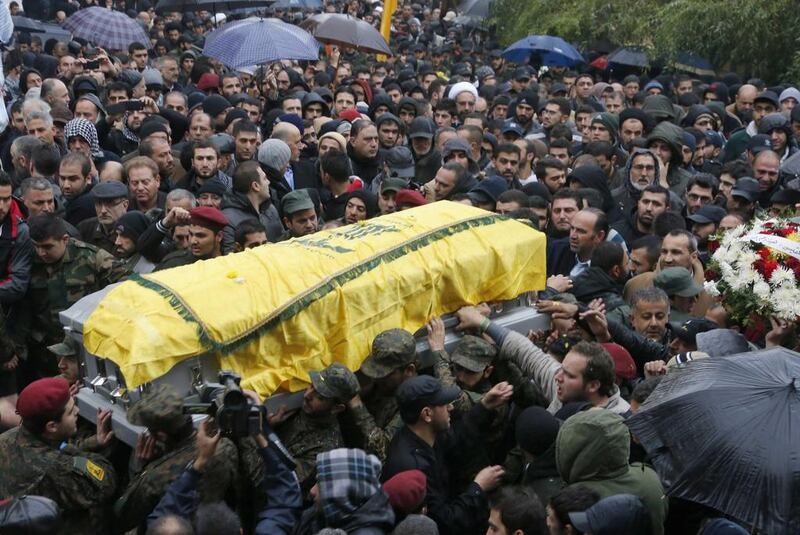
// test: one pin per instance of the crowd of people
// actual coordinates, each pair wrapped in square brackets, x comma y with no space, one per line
[118,162]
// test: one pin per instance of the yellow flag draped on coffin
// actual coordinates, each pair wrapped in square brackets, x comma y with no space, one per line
[278,311]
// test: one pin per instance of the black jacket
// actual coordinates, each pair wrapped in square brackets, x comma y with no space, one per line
[365,169]
[374,517]
[560,259]
[594,283]
[238,209]
[461,513]
[626,227]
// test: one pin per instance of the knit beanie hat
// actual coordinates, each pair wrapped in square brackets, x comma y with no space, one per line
[274,153]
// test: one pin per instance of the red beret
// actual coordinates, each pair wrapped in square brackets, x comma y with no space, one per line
[350,114]
[406,491]
[207,81]
[624,366]
[44,396]
[409,197]
[206,216]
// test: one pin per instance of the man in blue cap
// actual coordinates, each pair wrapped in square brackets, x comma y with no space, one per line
[622,514]
[485,194]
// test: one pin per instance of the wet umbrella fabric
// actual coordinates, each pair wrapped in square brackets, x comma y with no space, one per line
[725,432]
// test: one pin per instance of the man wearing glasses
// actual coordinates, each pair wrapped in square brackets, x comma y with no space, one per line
[110,202]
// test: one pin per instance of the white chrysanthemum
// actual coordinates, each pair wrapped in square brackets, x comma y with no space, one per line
[747,258]
[762,290]
[750,275]
[711,288]
[785,302]
[782,276]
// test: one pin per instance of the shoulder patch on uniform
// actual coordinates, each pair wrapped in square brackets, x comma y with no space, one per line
[84,465]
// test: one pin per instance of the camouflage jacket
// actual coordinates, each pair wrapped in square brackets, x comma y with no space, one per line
[305,437]
[81,483]
[145,490]
[377,420]
[55,287]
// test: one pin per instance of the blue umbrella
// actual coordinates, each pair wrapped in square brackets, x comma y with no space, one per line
[553,51]
[254,41]
[106,28]
[628,57]
[694,64]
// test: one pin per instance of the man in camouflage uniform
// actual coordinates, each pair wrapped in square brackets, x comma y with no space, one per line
[315,429]
[35,458]
[64,270]
[393,360]
[161,458]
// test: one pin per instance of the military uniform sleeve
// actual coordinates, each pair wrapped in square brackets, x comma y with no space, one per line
[376,439]
[104,266]
[441,369]
[14,286]
[220,473]
[82,482]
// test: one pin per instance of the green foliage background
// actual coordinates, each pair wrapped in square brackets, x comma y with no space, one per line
[753,38]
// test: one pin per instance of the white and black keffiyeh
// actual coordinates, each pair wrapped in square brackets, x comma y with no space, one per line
[84,129]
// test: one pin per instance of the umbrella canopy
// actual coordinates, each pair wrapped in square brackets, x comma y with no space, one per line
[217,6]
[107,28]
[628,57]
[694,64]
[254,40]
[24,24]
[471,22]
[475,8]
[298,4]
[553,51]
[724,432]
[346,31]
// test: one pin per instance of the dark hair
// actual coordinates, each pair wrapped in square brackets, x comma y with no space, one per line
[337,165]
[601,224]
[538,202]
[244,125]
[46,226]
[477,115]
[520,510]
[216,519]
[583,108]
[572,499]
[568,194]
[562,103]
[248,226]
[5,180]
[205,144]
[36,424]
[652,246]
[737,169]
[508,148]
[560,131]
[448,105]
[135,46]
[705,181]
[119,86]
[607,255]
[600,148]
[245,174]
[514,195]
[593,198]
[44,159]
[457,168]
[645,388]
[547,162]
[599,366]
[560,143]
[668,221]
[658,189]
[526,213]
[79,158]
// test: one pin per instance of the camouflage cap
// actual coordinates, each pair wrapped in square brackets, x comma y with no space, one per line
[160,409]
[473,353]
[335,382]
[69,347]
[391,350]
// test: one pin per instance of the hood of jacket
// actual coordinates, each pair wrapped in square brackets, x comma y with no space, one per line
[631,188]
[592,445]
[382,100]
[376,512]
[670,134]
[592,176]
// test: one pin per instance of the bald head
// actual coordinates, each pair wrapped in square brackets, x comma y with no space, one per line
[745,97]
[766,169]
[289,134]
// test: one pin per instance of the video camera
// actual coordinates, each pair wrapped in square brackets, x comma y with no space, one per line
[233,413]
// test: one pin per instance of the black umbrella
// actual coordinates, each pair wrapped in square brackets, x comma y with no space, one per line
[475,8]
[25,24]
[628,57]
[725,432]
[216,6]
